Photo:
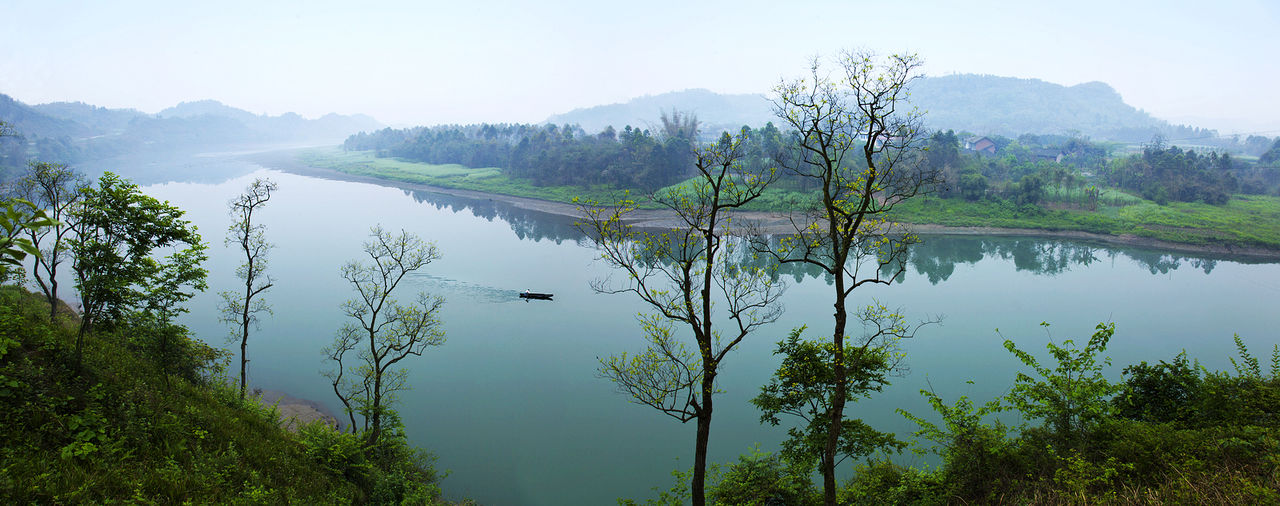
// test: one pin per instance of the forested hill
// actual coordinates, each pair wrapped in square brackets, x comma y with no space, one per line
[1010,107]
[716,111]
[70,132]
[980,104]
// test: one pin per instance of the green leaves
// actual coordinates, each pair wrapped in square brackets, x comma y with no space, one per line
[16,217]
[803,385]
[118,232]
[1072,396]
[663,376]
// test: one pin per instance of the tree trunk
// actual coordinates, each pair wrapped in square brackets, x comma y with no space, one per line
[375,410]
[244,344]
[698,487]
[837,400]
[53,299]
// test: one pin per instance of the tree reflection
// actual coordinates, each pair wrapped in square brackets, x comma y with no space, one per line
[936,258]
[527,224]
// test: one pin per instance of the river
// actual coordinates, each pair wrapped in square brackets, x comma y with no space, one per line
[511,404]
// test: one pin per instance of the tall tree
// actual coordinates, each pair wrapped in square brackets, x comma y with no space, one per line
[241,310]
[682,275]
[118,230]
[58,190]
[857,145]
[385,331]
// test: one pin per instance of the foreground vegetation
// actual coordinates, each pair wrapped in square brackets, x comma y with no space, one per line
[1171,432]
[119,428]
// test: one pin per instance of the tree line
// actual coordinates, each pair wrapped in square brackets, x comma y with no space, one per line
[551,154]
[1038,169]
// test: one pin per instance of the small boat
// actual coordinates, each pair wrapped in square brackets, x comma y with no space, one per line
[535,295]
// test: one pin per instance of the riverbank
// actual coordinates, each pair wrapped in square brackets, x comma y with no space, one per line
[295,412]
[765,222]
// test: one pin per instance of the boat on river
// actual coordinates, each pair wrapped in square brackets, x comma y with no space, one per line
[535,295]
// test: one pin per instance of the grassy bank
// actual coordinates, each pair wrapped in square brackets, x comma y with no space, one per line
[1245,221]
[1248,221]
[488,179]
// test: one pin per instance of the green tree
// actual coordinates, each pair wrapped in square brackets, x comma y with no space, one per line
[118,230]
[241,310]
[167,286]
[858,145]
[1271,158]
[385,331]
[58,190]
[1073,396]
[682,275]
[973,185]
[801,387]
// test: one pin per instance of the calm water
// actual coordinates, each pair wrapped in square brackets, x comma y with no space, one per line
[512,406]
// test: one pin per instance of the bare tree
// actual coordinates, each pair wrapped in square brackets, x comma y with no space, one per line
[57,189]
[683,275]
[385,331]
[857,143]
[241,310]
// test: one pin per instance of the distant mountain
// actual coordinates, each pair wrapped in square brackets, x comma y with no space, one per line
[1009,106]
[98,119]
[207,108]
[979,104]
[715,111]
[288,125]
[74,131]
[29,121]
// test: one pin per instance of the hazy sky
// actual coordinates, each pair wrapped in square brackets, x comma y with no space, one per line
[1213,64]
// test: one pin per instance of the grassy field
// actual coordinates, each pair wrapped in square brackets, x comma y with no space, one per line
[488,179]
[1252,221]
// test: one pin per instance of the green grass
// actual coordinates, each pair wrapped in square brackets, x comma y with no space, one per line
[488,179]
[1250,221]
[1245,220]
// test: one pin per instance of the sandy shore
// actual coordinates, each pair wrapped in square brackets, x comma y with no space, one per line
[296,412]
[765,222]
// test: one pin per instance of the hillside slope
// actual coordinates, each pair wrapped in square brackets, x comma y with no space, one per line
[118,428]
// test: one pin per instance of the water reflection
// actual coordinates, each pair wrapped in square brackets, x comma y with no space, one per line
[936,258]
[526,223]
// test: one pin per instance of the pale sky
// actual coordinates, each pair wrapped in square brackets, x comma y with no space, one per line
[1211,64]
